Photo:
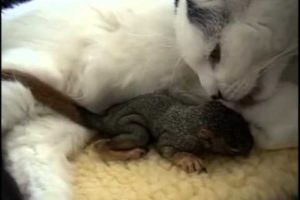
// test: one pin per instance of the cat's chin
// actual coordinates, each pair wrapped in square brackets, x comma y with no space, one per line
[257,95]
[248,99]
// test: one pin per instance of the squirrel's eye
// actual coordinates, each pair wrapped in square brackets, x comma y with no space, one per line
[205,134]
[234,148]
[209,143]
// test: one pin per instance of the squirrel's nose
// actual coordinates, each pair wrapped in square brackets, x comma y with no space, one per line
[217,96]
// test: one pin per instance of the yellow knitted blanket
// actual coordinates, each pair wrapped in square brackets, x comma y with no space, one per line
[264,175]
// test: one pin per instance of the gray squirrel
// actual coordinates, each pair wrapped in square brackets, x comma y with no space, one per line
[180,132]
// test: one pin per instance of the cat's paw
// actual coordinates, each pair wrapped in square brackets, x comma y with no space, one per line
[189,162]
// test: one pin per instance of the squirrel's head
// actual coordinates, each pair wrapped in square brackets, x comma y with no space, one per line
[224,131]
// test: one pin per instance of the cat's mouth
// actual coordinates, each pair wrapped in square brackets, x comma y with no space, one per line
[247,100]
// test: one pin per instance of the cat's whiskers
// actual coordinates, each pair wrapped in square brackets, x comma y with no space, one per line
[260,70]
[264,66]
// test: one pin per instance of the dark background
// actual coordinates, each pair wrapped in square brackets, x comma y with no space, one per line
[10,3]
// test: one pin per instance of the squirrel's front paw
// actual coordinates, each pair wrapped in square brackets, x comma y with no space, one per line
[188,162]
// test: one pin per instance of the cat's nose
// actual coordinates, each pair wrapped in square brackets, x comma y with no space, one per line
[217,96]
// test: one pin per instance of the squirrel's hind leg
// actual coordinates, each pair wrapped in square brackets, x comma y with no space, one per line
[126,146]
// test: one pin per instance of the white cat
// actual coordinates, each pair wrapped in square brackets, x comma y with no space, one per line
[256,41]
[99,52]
[257,38]
[275,120]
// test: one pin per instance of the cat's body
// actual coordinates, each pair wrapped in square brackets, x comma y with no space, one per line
[98,52]
[86,67]
[84,56]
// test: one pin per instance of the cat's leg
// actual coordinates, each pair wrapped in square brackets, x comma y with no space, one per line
[36,155]
[274,122]
[17,104]
[17,101]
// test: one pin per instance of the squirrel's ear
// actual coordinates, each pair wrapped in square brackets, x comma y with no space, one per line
[205,133]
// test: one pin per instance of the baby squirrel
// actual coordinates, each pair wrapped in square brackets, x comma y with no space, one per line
[181,133]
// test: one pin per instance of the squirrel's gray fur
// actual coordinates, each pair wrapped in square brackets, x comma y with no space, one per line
[173,125]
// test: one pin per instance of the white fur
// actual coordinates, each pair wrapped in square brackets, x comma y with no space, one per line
[195,47]
[260,35]
[37,144]
[37,156]
[275,116]
[265,37]
[100,70]
[99,53]
[101,56]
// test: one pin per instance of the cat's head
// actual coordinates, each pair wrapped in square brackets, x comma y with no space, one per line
[200,25]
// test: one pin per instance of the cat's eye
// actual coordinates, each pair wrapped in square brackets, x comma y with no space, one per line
[215,55]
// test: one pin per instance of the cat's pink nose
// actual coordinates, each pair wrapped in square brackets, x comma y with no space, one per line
[217,96]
